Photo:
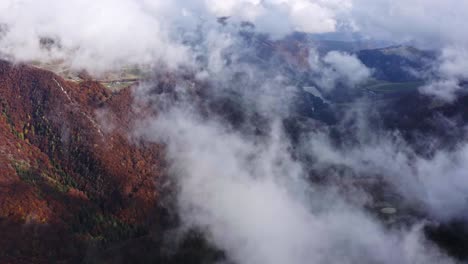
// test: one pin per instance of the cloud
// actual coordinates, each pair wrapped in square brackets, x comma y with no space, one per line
[107,35]
[98,35]
[349,67]
[311,16]
[95,34]
[443,89]
[434,185]
[247,187]
[251,199]
[454,62]
[338,67]
[429,23]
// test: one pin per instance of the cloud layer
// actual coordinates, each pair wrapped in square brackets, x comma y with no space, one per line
[252,199]
[99,35]
[249,188]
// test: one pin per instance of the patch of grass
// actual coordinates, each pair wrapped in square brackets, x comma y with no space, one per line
[29,175]
[64,181]
[117,86]
[26,174]
[392,87]
[5,114]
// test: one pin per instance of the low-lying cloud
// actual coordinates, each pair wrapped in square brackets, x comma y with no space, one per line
[103,35]
[251,197]
[338,67]
[94,35]
[248,188]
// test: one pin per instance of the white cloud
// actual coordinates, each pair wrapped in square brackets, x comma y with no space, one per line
[454,62]
[337,67]
[251,199]
[435,185]
[98,35]
[95,34]
[279,17]
[348,66]
[108,34]
[442,89]
[430,22]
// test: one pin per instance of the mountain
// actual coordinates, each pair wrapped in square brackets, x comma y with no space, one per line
[63,175]
[397,63]
[75,188]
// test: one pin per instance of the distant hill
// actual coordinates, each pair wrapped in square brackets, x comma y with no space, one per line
[398,63]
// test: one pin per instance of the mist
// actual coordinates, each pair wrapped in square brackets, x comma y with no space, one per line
[251,189]
[252,200]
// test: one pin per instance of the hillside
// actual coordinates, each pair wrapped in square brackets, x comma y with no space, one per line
[67,179]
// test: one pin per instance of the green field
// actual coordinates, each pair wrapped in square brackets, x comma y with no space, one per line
[392,87]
